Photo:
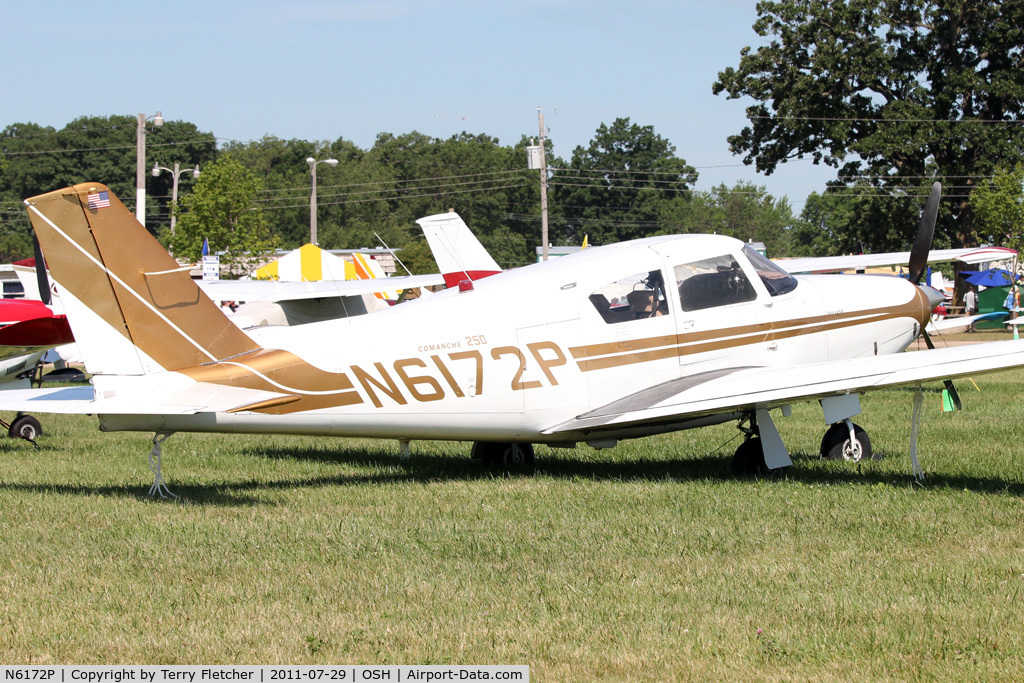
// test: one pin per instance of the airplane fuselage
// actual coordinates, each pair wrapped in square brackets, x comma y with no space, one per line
[527,349]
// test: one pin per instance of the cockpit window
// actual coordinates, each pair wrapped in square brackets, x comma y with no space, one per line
[718,281]
[775,279]
[632,298]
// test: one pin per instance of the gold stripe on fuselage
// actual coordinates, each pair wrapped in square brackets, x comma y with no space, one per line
[620,353]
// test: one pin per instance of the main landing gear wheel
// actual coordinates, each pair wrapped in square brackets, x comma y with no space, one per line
[511,456]
[26,427]
[836,445]
[749,458]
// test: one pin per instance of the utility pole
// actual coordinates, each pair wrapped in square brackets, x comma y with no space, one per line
[140,163]
[543,190]
[313,163]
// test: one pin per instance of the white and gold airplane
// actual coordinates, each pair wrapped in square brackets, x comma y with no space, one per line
[614,342]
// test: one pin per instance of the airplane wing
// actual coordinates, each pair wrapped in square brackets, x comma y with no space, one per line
[200,397]
[272,290]
[962,323]
[738,389]
[832,264]
[38,334]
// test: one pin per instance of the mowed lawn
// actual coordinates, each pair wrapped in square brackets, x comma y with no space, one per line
[648,561]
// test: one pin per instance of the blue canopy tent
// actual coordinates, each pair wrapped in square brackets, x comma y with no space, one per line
[993,277]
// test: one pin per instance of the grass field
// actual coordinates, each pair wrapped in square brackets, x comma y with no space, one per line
[648,561]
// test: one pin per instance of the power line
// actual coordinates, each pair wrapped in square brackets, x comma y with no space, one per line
[397,193]
[412,196]
[866,120]
[606,171]
[104,149]
[620,183]
[54,133]
[305,188]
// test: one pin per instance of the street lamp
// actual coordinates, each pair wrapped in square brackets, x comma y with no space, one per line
[312,195]
[176,172]
[140,164]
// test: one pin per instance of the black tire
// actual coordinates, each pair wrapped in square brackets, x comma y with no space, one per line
[508,455]
[484,450]
[26,427]
[517,456]
[749,458]
[835,445]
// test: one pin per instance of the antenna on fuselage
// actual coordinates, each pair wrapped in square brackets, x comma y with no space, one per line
[393,254]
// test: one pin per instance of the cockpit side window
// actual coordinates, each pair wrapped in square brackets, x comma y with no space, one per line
[775,279]
[632,298]
[718,281]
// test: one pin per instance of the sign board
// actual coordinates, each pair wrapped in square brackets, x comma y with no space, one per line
[211,267]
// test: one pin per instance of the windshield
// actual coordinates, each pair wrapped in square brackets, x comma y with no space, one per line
[775,279]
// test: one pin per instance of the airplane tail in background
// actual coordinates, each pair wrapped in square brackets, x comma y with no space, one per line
[458,252]
[133,309]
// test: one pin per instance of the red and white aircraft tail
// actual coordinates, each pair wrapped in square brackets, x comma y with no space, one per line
[458,252]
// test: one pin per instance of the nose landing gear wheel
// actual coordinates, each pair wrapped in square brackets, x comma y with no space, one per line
[510,456]
[836,444]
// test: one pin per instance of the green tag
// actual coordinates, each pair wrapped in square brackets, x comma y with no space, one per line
[947,402]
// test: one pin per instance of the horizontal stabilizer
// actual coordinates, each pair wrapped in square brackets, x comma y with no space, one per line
[200,397]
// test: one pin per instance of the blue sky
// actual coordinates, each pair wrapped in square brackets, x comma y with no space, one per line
[323,70]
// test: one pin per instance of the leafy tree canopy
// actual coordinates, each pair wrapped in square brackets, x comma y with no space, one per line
[998,204]
[893,93]
[220,210]
[621,184]
[744,211]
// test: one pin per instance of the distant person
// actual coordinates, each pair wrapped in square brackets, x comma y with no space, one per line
[971,306]
[971,302]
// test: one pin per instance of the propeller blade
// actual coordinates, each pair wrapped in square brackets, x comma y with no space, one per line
[42,281]
[925,231]
[954,395]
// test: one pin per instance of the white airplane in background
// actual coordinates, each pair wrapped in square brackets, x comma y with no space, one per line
[712,332]
[861,262]
[458,253]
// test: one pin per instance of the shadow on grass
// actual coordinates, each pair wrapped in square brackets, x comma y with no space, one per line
[558,464]
[386,467]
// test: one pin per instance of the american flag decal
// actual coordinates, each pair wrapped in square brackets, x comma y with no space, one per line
[99,200]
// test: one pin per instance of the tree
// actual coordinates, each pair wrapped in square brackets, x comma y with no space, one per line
[744,211]
[417,257]
[99,149]
[855,219]
[998,205]
[621,185]
[893,93]
[220,209]
[473,174]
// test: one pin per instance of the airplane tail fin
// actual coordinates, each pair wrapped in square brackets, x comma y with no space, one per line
[458,252]
[132,308]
